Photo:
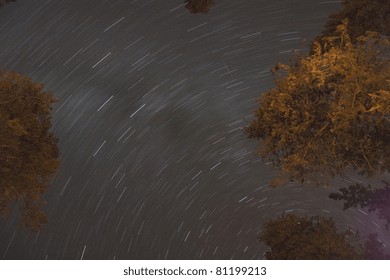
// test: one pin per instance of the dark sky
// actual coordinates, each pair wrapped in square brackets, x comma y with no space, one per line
[152,102]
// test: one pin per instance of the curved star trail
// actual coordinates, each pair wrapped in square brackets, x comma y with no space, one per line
[152,102]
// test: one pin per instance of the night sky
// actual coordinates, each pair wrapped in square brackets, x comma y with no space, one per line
[152,105]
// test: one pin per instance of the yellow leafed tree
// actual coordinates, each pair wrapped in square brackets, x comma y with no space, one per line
[28,150]
[329,111]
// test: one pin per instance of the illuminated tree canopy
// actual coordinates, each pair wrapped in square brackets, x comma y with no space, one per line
[329,111]
[29,154]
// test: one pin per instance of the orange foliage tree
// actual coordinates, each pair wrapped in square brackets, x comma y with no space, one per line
[29,153]
[301,238]
[199,6]
[291,237]
[3,2]
[329,111]
[363,15]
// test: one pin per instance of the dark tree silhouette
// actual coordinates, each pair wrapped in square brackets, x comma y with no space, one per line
[329,111]
[363,16]
[373,199]
[3,2]
[199,6]
[28,150]
[301,238]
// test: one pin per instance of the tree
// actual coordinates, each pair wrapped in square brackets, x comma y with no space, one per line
[199,6]
[373,199]
[3,2]
[363,16]
[28,150]
[301,238]
[329,111]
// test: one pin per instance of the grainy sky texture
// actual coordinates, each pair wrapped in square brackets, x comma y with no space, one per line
[152,102]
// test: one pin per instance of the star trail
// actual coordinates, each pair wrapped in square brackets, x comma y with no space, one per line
[152,101]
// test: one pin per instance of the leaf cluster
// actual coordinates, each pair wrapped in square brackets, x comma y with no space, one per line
[363,15]
[372,199]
